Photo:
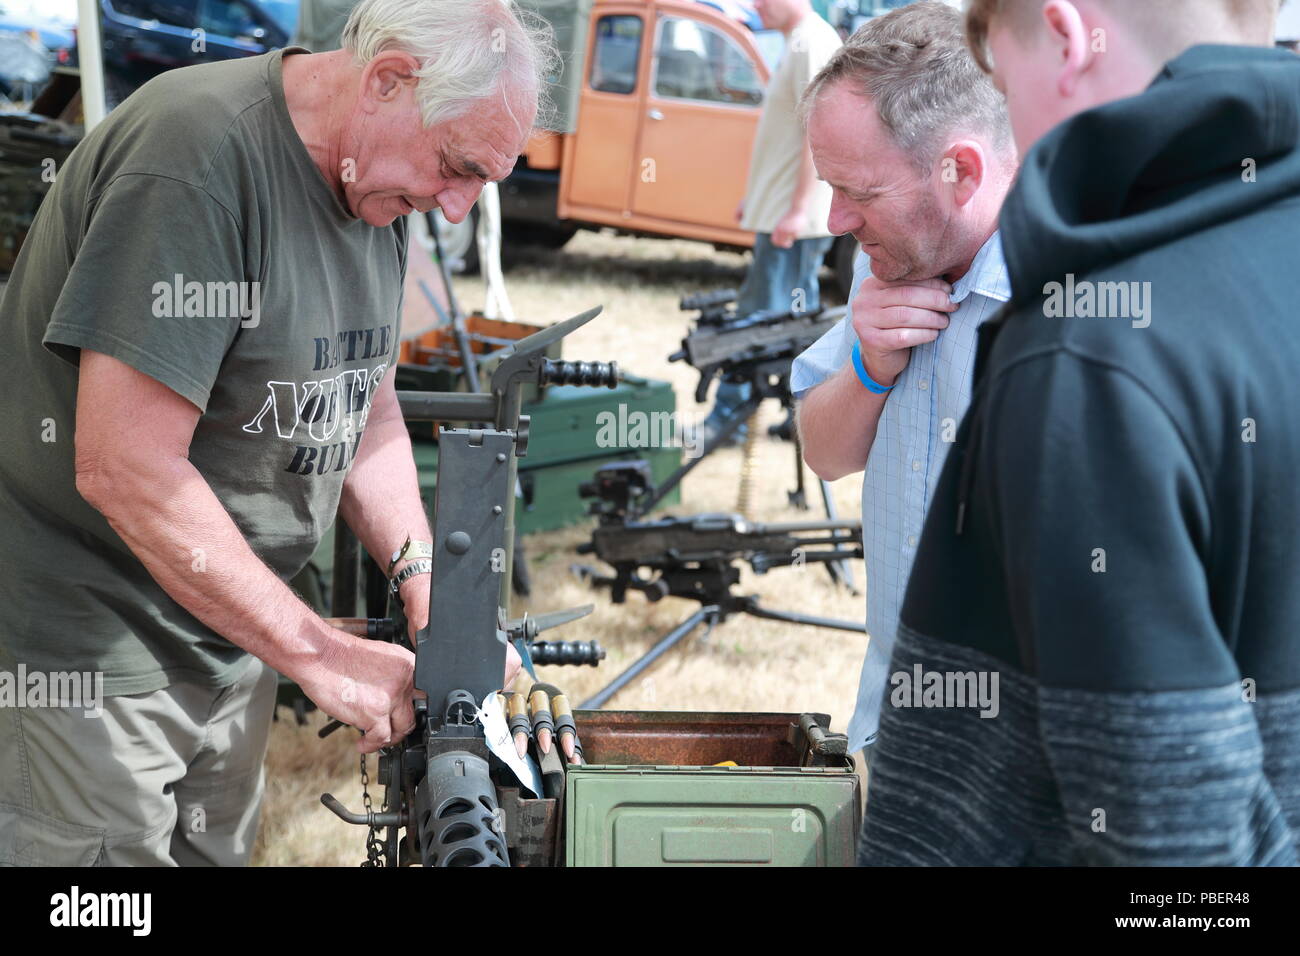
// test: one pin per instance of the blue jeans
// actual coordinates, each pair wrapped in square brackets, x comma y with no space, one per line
[777,280]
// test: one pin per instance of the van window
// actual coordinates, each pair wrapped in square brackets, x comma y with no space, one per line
[618,49]
[693,61]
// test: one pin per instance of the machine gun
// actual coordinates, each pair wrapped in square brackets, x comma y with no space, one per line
[741,348]
[758,349]
[697,558]
[439,784]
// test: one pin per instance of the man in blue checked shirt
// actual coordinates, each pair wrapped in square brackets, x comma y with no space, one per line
[915,143]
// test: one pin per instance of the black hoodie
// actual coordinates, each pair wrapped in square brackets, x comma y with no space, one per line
[1112,556]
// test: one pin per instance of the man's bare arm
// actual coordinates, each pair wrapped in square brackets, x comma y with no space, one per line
[132,465]
[837,425]
[793,222]
[381,496]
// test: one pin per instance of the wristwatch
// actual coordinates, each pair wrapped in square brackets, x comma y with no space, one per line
[409,549]
[419,566]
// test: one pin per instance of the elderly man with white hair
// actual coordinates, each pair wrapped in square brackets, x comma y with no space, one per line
[199,334]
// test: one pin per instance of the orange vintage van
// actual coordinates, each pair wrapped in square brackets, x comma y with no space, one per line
[657,108]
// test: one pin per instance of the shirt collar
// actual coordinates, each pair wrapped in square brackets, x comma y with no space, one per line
[987,275]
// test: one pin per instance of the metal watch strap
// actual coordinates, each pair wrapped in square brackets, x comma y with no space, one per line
[409,549]
[419,566]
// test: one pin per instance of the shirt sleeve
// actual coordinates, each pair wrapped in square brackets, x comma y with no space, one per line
[830,353]
[158,282]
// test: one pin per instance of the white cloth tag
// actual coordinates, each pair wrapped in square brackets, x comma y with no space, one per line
[501,743]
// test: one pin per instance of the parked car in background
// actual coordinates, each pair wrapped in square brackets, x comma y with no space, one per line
[284,12]
[34,39]
[143,38]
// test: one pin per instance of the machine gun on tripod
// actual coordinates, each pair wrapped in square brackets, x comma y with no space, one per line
[697,558]
[757,349]
[440,786]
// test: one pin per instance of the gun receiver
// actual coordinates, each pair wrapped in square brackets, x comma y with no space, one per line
[691,557]
[439,779]
[748,348]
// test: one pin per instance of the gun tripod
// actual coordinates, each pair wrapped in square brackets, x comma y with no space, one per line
[711,586]
[697,558]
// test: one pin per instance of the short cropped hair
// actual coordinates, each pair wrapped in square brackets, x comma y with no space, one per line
[914,66]
[469,50]
[1167,27]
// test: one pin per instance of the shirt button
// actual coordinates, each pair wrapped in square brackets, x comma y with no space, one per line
[911,541]
[923,384]
[916,465]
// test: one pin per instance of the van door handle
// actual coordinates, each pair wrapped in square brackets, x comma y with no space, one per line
[655,115]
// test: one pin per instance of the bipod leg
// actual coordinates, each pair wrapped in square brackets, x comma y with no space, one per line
[757,610]
[598,700]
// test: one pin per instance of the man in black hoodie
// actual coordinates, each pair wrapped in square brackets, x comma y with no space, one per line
[1112,556]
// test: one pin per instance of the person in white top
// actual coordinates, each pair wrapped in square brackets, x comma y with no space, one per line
[785,204]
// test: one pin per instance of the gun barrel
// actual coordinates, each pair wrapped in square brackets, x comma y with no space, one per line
[766,336]
[794,527]
[706,300]
[447,406]
[674,541]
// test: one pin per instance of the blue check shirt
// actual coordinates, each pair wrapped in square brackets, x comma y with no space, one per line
[917,426]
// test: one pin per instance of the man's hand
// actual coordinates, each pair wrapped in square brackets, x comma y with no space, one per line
[892,317]
[368,685]
[787,229]
[513,663]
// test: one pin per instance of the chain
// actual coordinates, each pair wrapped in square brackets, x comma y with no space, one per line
[373,850]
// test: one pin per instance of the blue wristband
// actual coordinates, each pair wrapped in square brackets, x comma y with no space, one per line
[863,377]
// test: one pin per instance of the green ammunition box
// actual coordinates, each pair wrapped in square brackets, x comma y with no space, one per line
[550,493]
[574,431]
[693,816]
[655,793]
[573,422]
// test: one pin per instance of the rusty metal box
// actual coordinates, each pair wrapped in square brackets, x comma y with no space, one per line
[651,797]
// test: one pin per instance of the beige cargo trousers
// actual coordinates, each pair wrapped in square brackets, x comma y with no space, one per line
[170,778]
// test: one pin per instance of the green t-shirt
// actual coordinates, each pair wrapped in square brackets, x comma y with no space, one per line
[192,237]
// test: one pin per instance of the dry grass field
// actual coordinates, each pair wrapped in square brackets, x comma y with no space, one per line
[745,664]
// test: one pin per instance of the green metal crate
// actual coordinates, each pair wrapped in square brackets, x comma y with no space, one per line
[574,423]
[700,816]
